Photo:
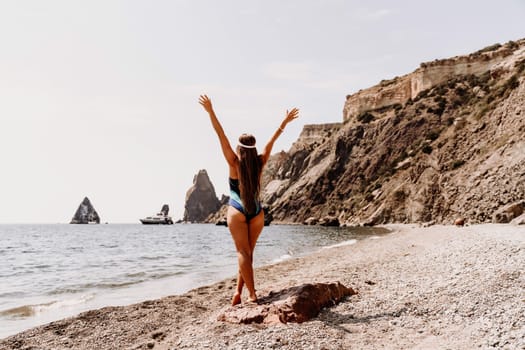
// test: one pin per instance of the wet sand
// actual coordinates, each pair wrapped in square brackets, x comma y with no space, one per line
[419,288]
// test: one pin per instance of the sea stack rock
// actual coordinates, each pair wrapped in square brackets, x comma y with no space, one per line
[201,199]
[165,210]
[85,214]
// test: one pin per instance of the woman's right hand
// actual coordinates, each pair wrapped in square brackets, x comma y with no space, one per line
[206,103]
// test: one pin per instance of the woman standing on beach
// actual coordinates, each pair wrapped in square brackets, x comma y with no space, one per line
[245,215]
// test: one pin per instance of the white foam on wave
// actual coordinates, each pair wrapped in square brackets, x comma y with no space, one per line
[342,244]
[281,258]
[84,298]
[25,311]
[374,237]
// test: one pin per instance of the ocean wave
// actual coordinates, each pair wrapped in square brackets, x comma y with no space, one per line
[42,266]
[156,257]
[110,246]
[281,258]
[166,274]
[135,274]
[26,311]
[342,244]
[94,285]
[18,273]
[76,249]
[20,311]
[134,278]
[11,294]
[30,251]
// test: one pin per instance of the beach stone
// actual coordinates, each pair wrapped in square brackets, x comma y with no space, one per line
[428,223]
[310,221]
[520,220]
[329,221]
[459,222]
[508,213]
[295,304]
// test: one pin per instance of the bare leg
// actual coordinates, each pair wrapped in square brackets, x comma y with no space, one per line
[255,227]
[238,292]
[240,234]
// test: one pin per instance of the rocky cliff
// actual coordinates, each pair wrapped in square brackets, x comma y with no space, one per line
[400,89]
[201,200]
[443,142]
[85,214]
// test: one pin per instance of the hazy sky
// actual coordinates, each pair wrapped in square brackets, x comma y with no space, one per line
[99,98]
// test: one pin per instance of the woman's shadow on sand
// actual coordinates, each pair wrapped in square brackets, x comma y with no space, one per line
[338,320]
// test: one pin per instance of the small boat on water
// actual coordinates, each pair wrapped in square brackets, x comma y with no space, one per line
[157,220]
[161,218]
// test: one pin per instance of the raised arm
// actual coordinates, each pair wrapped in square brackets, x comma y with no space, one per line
[290,115]
[227,150]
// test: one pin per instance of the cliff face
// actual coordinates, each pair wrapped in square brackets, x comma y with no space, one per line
[443,142]
[201,199]
[401,89]
[85,214]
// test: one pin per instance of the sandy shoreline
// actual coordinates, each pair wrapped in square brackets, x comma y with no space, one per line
[421,288]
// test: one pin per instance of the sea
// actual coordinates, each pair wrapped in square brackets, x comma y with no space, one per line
[52,271]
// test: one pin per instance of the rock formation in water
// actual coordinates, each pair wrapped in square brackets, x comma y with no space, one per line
[443,142]
[219,217]
[201,199]
[165,210]
[85,214]
[295,304]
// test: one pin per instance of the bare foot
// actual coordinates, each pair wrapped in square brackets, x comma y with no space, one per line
[252,299]
[236,299]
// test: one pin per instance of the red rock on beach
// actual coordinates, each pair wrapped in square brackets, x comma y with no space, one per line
[295,304]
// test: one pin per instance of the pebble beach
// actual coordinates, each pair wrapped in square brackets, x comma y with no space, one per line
[439,287]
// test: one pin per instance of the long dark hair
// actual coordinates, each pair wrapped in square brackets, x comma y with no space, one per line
[250,170]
